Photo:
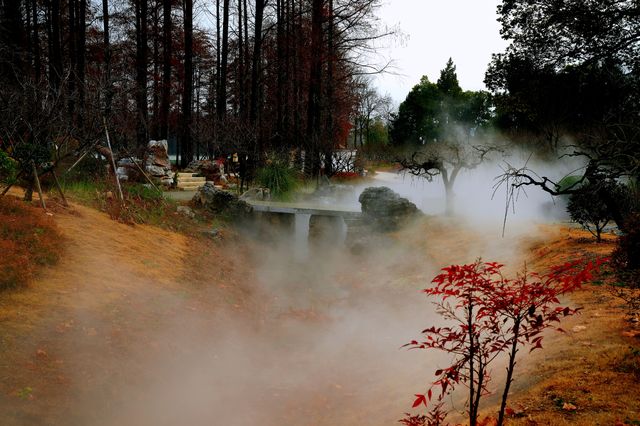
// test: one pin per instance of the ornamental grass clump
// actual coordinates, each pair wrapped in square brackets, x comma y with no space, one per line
[279,178]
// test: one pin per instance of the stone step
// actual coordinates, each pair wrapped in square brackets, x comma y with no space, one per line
[192,186]
[191,179]
[186,174]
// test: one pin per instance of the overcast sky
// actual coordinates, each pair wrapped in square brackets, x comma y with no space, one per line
[465,30]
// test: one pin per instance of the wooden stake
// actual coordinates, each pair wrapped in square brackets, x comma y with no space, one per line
[143,173]
[37,180]
[55,180]
[80,159]
[113,162]
[8,187]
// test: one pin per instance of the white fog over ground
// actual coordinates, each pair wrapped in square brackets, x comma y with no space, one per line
[329,350]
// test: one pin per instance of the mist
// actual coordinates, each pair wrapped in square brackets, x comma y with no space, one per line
[322,343]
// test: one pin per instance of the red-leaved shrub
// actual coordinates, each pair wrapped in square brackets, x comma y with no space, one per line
[488,314]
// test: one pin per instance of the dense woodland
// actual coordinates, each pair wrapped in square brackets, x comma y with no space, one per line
[218,76]
[273,75]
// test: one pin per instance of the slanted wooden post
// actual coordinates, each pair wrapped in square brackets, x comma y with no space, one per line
[133,160]
[8,187]
[37,181]
[113,161]
[55,180]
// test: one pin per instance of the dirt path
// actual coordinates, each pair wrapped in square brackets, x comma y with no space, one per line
[82,332]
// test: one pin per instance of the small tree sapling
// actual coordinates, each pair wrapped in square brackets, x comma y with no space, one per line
[489,315]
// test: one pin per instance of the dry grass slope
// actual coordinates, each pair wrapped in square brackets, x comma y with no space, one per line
[29,239]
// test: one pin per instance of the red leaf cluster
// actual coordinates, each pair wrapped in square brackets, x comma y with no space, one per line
[490,314]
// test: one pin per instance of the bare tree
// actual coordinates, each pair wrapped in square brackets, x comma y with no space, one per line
[447,158]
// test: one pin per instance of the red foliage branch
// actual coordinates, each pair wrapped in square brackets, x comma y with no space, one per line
[490,315]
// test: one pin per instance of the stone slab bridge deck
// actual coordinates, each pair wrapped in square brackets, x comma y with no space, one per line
[314,209]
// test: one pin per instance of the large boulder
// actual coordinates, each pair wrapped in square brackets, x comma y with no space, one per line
[385,209]
[221,202]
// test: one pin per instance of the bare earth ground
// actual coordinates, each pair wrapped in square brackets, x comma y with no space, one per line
[99,338]
[86,328]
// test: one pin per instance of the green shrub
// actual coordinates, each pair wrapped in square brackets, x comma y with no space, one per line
[8,168]
[279,178]
[589,209]
[143,192]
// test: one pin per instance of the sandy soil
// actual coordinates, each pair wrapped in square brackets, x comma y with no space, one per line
[83,331]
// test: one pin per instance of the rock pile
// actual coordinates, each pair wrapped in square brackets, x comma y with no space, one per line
[211,170]
[157,163]
[221,202]
[385,209]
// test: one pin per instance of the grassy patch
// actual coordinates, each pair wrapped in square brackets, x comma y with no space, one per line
[142,204]
[29,239]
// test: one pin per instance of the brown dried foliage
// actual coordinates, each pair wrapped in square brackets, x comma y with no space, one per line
[29,239]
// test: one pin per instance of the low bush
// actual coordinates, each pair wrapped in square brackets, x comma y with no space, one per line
[29,239]
[8,169]
[281,179]
[589,209]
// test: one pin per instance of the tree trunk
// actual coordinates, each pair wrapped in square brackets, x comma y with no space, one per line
[141,73]
[73,38]
[280,92]
[255,66]
[241,65]
[314,114]
[221,104]
[37,64]
[156,72]
[55,46]
[166,69]
[107,59]
[187,94]
[81,42]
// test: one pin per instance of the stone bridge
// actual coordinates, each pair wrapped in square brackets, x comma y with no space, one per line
[326,222]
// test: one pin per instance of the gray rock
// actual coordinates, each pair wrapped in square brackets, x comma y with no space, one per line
[186,211]
[385,209]
[221,202]
[214,233]
[122,173]
[161,145]
[156,171]
[256,194]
